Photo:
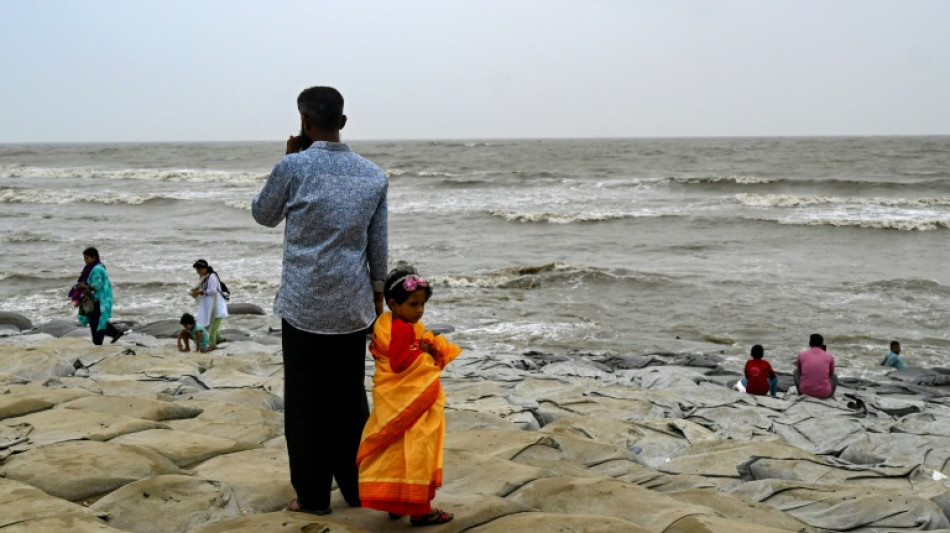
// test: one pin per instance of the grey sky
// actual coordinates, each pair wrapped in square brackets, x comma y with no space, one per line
[230,70]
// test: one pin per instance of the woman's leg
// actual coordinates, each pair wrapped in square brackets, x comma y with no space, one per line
[213,336]
[111,331]
[97,334]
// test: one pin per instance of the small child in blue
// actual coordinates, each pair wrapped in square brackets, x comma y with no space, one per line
[893,357]
[193,332]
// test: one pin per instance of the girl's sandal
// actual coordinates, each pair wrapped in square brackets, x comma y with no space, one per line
[432,518]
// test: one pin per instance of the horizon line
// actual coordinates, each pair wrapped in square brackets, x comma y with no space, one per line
[484,139]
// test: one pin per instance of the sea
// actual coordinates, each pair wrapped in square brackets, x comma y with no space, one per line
[593,246]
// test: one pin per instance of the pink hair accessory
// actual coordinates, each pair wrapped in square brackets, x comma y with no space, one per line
[411,283]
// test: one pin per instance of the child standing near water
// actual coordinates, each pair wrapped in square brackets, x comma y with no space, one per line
[400,456]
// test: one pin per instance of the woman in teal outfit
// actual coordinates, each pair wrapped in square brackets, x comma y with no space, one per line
[95,277]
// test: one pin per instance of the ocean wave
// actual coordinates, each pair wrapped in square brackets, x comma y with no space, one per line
[466,183]
[894,224]
[144,174]
[788,200]
[550,274]
[925,173]
[239,204]
[434,173]
[514,277]
[242,283]
[532,332]
[936,182]
[399,172]
[233,283]
[463,144]
[28,237]
[908,284]
[24,196]
[562,218]
[16,195]
[33,278]
[736,180]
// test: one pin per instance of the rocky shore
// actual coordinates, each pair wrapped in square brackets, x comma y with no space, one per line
[138,437]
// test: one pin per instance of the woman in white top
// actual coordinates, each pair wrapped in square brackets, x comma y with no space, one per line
[212,307]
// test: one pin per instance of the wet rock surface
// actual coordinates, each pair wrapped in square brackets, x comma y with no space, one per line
[138,437]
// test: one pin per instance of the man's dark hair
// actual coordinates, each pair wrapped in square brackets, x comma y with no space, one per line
[757,351]
[816,340]
[323,106]
[895,343]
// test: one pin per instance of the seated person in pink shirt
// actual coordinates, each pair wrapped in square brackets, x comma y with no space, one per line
[815,370]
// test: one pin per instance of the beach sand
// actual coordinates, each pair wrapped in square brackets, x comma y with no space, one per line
[138,437]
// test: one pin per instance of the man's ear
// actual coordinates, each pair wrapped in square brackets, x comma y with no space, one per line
[304,123]
[342,121]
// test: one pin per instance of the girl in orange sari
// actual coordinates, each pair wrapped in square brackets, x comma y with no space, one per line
[400,455]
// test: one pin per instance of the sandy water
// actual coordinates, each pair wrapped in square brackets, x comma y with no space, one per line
[627,246]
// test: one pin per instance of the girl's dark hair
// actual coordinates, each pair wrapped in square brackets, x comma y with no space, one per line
[91,252]
[758,351]
[187,319]
[394,284]
[201,263]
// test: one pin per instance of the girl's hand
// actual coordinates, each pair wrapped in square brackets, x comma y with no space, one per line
[426,346]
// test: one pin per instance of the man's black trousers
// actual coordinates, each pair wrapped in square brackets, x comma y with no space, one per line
[325,410]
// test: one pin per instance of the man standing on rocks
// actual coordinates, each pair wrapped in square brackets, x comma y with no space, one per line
[815,370]
[331,291]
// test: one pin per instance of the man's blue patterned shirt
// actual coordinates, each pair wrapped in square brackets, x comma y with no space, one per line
[335,236]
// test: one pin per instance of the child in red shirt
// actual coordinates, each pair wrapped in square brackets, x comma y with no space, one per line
[759,376]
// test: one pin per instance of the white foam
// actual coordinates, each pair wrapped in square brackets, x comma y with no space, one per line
[788,200]
[239,204]
[738,179]
[563,218]
[166,175]
[65,196]
[530,332]
[433,173]
[18,196]
[903,225]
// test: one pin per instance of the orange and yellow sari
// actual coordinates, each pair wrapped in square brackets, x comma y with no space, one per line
[400,456]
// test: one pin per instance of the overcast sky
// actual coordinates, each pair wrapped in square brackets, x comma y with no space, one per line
[170,70]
